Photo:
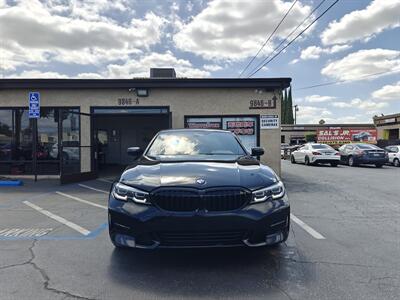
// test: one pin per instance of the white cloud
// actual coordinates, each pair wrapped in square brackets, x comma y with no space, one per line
[362,63]
[212,68]
[39,74]
[363,24]
[140,67]
[233,30]
[388,92]
[37,34]
[357,103]
[312,114]
[314,52]
[319,99]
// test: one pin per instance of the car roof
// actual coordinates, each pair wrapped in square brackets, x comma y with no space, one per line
[195,130]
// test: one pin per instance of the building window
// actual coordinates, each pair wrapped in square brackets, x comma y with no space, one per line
[16,143]
[245,127]
[282,139]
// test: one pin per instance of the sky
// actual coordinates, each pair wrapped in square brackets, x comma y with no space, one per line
[355,45]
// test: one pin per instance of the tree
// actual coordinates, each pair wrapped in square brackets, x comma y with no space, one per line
[321,122]
[289,108]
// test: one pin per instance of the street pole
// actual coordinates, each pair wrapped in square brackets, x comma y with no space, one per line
[296,109]
[34,146]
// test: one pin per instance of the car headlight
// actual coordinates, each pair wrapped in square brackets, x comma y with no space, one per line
[123,192]
[273,192]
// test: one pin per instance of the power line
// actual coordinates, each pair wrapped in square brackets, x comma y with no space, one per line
[297,36]
[342,81]
[290,34]
[268,39]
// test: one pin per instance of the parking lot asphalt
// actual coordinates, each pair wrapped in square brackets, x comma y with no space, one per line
[344,244]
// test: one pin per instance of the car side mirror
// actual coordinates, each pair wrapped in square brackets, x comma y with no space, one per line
[257,151]
[134,151]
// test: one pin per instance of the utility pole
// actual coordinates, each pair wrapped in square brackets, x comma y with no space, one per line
[296,109]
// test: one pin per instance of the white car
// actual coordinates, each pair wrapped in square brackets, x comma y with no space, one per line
[312,153]
[394,155]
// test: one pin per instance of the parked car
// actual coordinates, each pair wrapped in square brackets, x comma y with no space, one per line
[358,154]
[197,188]
[394,155]
[312,153]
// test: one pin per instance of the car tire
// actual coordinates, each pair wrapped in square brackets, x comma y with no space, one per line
[396,162]
[307,161]
[334,164]
[378,165]
[350,161]
[292,159]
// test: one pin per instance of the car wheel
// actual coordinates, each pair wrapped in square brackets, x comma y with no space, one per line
[292,159]
[378,165]
[350,161]
[334,164]
[396,162]
[307,161]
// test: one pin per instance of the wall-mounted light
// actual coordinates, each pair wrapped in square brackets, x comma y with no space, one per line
[140,92]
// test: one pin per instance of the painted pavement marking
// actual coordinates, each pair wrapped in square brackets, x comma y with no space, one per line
[315,234]
[81,200]
[24,232]
[93,189]
[58,218]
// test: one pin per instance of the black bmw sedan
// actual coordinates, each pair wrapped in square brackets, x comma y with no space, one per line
[197,188]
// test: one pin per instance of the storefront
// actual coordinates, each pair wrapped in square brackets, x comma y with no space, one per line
[388,128]
[86,125]
[332,134]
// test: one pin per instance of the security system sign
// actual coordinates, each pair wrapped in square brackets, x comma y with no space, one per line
[34,105]
[269,121]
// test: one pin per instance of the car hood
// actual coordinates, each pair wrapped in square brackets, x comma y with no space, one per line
[148,176]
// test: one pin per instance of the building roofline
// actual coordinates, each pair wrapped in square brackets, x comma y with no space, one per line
[267,83]
[396,115]
[288,126]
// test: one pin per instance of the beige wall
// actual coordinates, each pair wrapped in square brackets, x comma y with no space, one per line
[381,130]
[182,102]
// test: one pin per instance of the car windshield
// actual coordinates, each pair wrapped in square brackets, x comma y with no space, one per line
[177,144]
[367,147]
[322,146]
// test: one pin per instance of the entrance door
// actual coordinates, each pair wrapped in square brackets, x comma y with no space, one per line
[75,150]
[115,130]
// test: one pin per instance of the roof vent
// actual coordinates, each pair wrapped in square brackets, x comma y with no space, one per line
[162,73]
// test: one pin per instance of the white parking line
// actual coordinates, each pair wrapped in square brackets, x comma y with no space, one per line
[58,218]
[315,234]
[81,200]
[93,189]
[104,180]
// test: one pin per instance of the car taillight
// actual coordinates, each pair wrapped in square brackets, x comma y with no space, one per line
[316,153]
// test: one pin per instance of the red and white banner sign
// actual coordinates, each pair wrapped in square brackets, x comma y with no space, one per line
[345,136]
[241,127]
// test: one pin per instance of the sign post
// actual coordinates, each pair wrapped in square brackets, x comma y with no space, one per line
[34,114]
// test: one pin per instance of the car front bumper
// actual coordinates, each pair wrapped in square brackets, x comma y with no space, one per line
[146,226]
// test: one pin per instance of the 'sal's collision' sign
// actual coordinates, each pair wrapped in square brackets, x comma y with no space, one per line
[344,136]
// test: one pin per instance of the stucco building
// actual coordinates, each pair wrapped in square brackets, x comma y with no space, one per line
[86,125]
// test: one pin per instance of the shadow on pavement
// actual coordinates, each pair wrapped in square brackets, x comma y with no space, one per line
[226,272]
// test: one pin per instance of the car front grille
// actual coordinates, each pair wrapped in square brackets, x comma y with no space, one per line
[186,200]
[199,239]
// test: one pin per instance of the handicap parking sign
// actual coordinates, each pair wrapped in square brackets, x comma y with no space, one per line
[34,105]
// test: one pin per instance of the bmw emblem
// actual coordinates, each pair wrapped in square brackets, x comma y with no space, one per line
[200,181]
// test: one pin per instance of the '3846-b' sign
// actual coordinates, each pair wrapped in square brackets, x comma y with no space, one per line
[262,104]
